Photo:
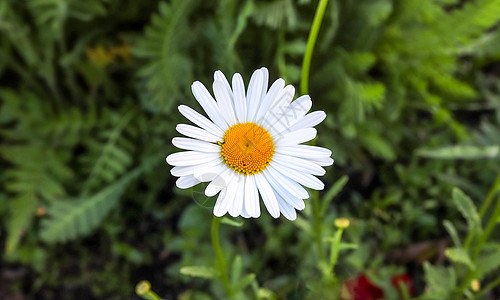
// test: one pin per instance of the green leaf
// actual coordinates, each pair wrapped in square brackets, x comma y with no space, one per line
[200,271]
[440,281]
[332,192]
[23,211]
[164,48]
[465,205]
[72,219]
[460,152]
[347,246]
[246,280]
[230,222]
[488,262]
[452,231]
[459,255]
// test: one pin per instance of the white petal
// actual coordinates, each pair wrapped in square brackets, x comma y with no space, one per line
[237,205]
[290,114]
[287,210]
[209,173]
[218,75]
[189,170]
[305,151]
[240,102]
[295,137]
[268,100]
[198,119]
[219,182]
[194,144]
[299,164]
[310,120]
[254,94]
[324,161]
[283,192]
[189,158]
[197,133]
[185,182]
[244,213]
[274,116]
[228,200]
[251,197]
[225,102]
[265,81]
[268,196]
[208,104]
[222,204]
[291,186]
[306,180]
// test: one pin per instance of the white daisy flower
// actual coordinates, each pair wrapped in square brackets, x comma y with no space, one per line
[250,144]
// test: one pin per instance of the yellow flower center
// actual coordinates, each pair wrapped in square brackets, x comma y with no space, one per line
[247,148]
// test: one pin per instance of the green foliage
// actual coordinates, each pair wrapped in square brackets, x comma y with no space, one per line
[440,280]
[468,209]
[71,219]
[168,69]
[87,110]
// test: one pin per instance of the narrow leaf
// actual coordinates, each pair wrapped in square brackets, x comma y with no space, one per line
[333,191]
[200,271]
[460,152]
[452,231]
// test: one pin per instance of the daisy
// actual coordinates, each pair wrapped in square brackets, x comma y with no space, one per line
[250,144]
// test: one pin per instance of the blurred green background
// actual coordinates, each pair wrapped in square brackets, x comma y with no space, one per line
[88,98]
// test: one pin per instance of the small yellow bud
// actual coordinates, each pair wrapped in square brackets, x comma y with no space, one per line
[342,223]
[142,287]
[475,285]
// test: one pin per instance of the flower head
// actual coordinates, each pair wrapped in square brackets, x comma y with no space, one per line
[250,144]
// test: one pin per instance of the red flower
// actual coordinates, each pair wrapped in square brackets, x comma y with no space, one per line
[360,288]
[403,279]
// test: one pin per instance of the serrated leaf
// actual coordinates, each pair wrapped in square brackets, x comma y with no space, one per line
[72,219]
[459,255]
[22,212]
[488,262]
[440,281]
[465,205]
[200,271]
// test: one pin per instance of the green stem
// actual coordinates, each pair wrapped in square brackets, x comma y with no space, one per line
[311,41]
[334,251]
[492,222]
[484,208]
[318,228]
[221,262]
[490,225]
[486,204]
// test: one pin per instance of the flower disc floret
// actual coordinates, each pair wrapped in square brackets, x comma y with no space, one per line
[247,148]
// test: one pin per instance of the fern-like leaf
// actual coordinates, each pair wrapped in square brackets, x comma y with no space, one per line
[163,46]
[71,219]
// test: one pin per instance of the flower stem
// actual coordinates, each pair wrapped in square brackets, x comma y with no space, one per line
[335,247]
[317,224]
[494,189]
[311,41]
[221,261]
